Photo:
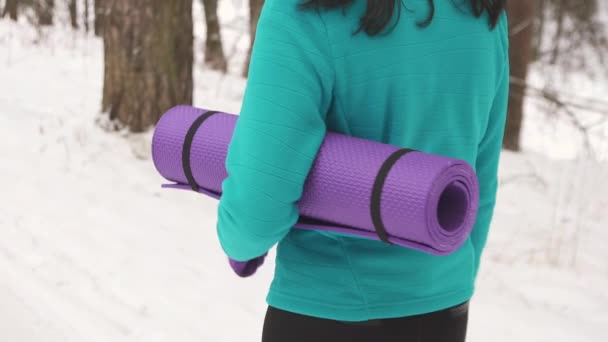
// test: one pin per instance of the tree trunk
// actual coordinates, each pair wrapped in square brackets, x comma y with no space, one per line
[560,17]
[521,16]
[44,11]
[539,34]
[214,53]
[148,50]
[255,7]
[10,8]
[73,13]
[100,15]
[86,16]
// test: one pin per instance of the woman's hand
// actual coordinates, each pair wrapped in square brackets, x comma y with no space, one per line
[247,268]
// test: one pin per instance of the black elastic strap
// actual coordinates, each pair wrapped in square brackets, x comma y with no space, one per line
[375,205]
[188,147]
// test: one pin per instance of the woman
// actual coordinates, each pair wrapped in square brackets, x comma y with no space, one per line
[427,75]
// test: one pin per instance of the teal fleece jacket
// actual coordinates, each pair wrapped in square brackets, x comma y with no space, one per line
[442,89]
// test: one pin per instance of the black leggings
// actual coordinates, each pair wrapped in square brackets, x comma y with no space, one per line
[449,325]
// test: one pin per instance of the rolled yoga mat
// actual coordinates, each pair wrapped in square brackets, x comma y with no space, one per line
[356,186]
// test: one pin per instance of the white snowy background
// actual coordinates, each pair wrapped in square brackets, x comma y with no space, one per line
[91,249]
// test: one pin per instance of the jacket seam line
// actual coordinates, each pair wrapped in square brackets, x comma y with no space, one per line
[355,279]
[335,93]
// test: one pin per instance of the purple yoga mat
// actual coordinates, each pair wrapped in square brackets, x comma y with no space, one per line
[428,202]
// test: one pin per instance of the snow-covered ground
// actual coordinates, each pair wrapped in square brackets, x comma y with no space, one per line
[91,249]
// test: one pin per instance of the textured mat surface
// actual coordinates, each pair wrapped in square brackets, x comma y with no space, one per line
[428,202]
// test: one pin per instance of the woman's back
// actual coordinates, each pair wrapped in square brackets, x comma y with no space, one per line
[440,89]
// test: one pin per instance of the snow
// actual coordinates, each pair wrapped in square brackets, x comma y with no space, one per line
[91,249]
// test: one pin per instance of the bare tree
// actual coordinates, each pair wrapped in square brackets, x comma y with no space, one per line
[521,32]
[10,8]
[575,29]
[148,50]
[540,28]
[560,9]
[577,25]
[44,11]
[86,15]
[214,51]
[255,8]
[98,8]
[73,9]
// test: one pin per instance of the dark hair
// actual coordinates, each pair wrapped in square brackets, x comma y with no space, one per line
[380,12]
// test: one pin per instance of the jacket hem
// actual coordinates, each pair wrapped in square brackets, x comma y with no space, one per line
[355,313]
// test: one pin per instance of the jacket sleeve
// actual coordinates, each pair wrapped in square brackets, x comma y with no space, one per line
[279,131]
[488,157]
